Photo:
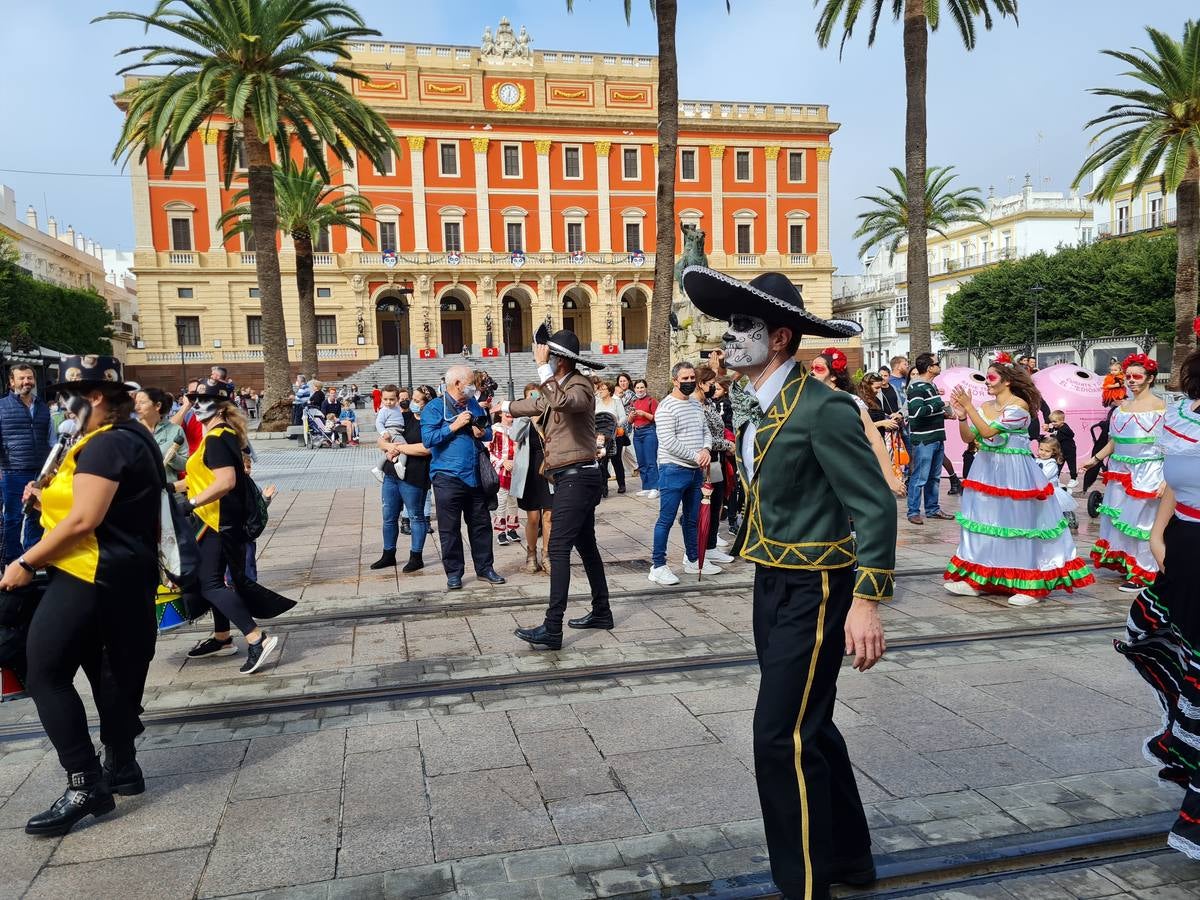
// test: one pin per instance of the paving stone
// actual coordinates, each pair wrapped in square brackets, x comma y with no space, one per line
[749,833]
[543,718]
[152,876]
[287,764]
[383,785]
[995,824]
[958,803]
[381,845]
[37,791]
[687,786]
[988,766]
[222,757]
[537,864]
[479,871]
[742,861]
[1135,874]
[596,816]
[720,700]
[946,831]
[1086,884]
[23,856]
[890,761]
[734,731]
[468,743]
[686,870]
[475,813]
[566,887]
[593,857]
[905,812]
[896,839]
[628,880]
[566,763]
[706,839]
[388,736]
[1040,816]
[1188,891]
[15,768]
[619,726]
[421,881]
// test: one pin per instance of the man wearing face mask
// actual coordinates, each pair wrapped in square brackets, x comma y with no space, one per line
[452,426]
[806,467]
[25,438]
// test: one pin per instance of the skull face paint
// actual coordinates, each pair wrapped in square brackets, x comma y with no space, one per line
[205,409]
[747,342]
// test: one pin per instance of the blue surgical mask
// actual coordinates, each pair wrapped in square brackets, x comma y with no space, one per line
[415,406]
[469,391]
[535,394]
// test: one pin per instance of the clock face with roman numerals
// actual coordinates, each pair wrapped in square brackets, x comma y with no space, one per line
[509,93]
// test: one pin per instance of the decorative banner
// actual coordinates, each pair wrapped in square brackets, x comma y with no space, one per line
[637,258]
[578,258]
[389,259]
[490,352]
[569,93]
[453,258]
[427,353]
[518,259]
[610,349]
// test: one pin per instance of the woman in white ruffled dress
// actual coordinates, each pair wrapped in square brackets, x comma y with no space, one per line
[1134,480]
[1015,538]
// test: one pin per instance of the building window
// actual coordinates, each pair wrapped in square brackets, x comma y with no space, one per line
[902,311]
[448,157]
[326,329]
[254,330]
[1123,219]
[321,245]
[252,293]
[512,160]
[795,166]
[325,293]
[687,164]
[1085,234]
[181,163]
[1156,211]
[745,237]
[388,160]
[633,237]
[741,165]
[796,238]
[248,240]
[187,330]
[514,234]
[572,162]
[239,154]
[452,236]
[181,233]
[574,237]
[387,237]
[631,164]
[185,293]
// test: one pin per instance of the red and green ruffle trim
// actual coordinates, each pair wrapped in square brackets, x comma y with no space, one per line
[1043,534]
[1035,582]
[1125,479]
[1114,516]
[993,490]
[1105,557]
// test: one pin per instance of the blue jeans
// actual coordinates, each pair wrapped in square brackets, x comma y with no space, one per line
[678,485]
[399,495]
[12,485]
[416,498]
[645,448]
[925,472]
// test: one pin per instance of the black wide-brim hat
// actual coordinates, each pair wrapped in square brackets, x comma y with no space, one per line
[211,389]
[565,344]
[771,297]
[87,372]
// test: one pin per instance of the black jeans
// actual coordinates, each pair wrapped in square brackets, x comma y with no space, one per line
[573,524]
[110,633]
[715,509]
[227,604]
[456,500]
[618,467]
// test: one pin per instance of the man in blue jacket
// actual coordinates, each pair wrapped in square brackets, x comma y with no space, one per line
[25,435]
[452,426]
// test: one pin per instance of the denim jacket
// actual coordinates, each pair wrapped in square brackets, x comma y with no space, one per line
[453,452]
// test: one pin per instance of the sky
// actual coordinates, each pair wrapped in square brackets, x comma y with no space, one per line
[1015,105]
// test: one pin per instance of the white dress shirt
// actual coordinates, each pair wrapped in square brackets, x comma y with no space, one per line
[765,394]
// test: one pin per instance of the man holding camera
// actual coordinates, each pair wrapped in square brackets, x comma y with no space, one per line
[452,426]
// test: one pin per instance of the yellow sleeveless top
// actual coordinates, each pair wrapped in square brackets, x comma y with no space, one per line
[200,476]
[83,559]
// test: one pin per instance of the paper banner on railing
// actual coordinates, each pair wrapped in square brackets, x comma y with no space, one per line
[427,353]
[610,349]
[490,352]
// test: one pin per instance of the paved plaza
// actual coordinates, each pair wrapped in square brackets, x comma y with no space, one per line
[501,772]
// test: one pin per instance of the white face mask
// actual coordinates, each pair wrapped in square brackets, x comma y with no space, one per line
[415,406]
[468,391]
[205,409]
[747,343]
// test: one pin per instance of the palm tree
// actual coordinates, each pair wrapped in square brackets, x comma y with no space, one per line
[307,206]
[888,222]
[919,18]
[272,68]
[1158,125]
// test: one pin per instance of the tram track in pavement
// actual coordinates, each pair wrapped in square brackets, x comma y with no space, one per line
[397,691]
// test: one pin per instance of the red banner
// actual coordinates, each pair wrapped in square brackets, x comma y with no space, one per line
[427,353]
[489,352]
[610,349]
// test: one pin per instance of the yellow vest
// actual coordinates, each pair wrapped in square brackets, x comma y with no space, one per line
[200,476]
[83,559]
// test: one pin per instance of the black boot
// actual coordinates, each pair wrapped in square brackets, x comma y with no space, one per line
[594,620]
[122,772]
[86,795]
[541,638]
[405,526]
[388,559]
[955,485]
[414,563]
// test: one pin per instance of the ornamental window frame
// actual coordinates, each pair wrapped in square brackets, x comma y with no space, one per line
[694,153]
[452,215]
[390,169]
[636,150]
[442,146]
[802,156]
[387,216]
[578,149]
[748,155]
[744,218]
[504,148]
[179,211]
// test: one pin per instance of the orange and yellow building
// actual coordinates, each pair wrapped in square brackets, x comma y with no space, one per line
[523,191]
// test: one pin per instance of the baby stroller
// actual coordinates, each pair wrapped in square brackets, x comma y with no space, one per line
[1100,434]
[317,433]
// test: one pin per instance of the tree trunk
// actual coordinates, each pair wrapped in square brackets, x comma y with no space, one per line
[308,304]
[265,220]
[658,345]
[916,58]
[1187,229]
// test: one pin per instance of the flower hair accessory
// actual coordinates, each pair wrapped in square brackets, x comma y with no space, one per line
[1003,359]
[1140,359]
[1196,326]
[837,359]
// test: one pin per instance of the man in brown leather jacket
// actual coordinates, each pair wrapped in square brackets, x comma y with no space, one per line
[566,414]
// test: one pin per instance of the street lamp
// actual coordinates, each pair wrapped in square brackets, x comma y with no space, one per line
[400,311]
[1036,290]
[880,312]
[506,320]
[179,330]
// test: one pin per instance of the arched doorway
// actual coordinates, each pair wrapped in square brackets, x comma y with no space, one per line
[455,311]
[517,330]
[392,311]
[577,314]
[635,316]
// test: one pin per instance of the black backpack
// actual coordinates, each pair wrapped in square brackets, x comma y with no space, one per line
[255,505]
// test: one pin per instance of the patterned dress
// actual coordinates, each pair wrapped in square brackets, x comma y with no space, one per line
[1164,628]
[1130,503]
[1015,538]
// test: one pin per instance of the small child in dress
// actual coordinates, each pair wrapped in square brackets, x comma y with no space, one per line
[1114,384]
[1050,458]
[503,451]
[1058,429]
[335,429]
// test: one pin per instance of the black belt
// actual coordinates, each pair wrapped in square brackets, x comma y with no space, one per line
[566,471]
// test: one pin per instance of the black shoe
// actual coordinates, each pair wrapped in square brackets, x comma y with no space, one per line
[955,485]
[604,494]
[592,620]
[857,872]
[491,576]
[210,646]
[454,582]
[405,526]
[414,563]
[86,795]
[388,560]
[514,535]
[540,638]
[122,774]
[621,489]
[258,654]
[503,539]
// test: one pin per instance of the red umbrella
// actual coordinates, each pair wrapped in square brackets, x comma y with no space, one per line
[706,516]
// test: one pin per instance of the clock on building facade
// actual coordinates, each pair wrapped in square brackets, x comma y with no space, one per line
[508,95]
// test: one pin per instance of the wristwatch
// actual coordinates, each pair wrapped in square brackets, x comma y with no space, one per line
[26,566]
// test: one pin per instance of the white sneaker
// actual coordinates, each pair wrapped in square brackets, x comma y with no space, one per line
[641,493]
[378,473]
[962,589]
[692,567]
[652,495]
[1072,484]
[717,556]
[663,575]
[1023,600]
[721,542]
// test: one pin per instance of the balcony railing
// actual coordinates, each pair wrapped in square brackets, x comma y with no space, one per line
[799,259]
[746,259]
[974,260]
[247,259]
[637,260]
[323,259]
[181,258]
[1134,224]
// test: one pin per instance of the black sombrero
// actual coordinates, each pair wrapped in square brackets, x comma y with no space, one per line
[90,371]
[565,344]
[211,389]
[771,297]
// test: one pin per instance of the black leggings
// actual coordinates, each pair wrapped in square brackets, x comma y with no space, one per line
[618,467]
[108,632]
[227,604]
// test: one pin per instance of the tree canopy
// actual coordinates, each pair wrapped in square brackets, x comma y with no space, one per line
[1119,285]
[39,313]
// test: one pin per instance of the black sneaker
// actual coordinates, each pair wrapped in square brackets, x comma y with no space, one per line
[210,646]
[514,536]
[258,654]
[502,538]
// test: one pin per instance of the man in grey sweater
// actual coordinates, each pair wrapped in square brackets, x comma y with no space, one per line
[683,458]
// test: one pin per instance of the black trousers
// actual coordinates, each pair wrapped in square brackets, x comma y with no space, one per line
[456,500]
[573,524]
[110,633]
[716,502]
[618,467]
[811,809]
[1069,452]
[227,604]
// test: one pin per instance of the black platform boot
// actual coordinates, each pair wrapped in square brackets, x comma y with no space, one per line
[388,560]
[955,485]
[122,772]
[86,795]
[415,562]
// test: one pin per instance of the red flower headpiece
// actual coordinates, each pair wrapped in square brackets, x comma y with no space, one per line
[1196,325]
[1140,359]
[1003,359]
[837,359]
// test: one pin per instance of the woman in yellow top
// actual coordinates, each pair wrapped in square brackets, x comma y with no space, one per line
[101,517]
[214,474]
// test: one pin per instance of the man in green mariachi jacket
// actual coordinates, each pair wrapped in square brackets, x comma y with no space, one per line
[806,468]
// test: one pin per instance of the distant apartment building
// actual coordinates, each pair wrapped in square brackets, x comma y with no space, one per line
[1147,211]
